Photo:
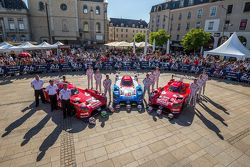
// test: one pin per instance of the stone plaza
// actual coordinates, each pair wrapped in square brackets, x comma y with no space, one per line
[216,133]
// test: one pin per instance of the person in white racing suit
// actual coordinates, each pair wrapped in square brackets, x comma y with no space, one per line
[194,87]
[107,86]
[98,80]
[204,77]
[200,84]
[157,74]
[152,78]
[90,74]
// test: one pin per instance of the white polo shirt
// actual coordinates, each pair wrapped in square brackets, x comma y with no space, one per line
[52,90]
[37,84]
[65,94]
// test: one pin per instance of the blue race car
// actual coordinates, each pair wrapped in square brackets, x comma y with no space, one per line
[127,91]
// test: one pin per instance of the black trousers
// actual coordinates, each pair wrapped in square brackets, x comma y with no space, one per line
[37,94]
[66,108]
[53,102]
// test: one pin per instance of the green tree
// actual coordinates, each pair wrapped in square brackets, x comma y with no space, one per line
[195,39]
[139,37]
[161,37]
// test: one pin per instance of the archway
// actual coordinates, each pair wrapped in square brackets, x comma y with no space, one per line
[222,40]
[243,40]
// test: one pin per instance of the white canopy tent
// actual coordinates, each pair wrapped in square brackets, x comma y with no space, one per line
[24,46]
[231,48]
[46,45]
[58,44]
[4,46]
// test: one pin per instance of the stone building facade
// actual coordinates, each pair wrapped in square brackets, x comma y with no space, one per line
[125,29]
[14,21]
[219,17]
[72,22]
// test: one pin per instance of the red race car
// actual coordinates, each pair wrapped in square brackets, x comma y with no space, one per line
[85,102]
[171,99]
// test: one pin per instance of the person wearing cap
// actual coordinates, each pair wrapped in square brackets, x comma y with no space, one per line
[107,86]
[157,74]
[146,82]
[194,87]
[37,85]
[98,80]
[204,77]
[90,74]
[51,89]
[64,95]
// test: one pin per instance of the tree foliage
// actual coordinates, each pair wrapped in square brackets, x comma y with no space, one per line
[195,39]
[139,37]
[161,37]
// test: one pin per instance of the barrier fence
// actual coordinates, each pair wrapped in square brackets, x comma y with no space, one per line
[142,65]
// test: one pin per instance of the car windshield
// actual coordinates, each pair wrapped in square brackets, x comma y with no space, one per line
[74,91]
[174,89]
[127,83]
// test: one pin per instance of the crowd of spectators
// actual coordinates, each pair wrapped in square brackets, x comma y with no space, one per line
[116,55]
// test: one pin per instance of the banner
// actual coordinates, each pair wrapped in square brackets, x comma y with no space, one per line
[12,70]
[2,70]
[233,75]
[145,65]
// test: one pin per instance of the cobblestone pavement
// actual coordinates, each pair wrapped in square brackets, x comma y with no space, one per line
[217,133]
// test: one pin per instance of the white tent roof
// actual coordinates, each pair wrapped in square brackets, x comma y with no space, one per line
[231,48]
[24,46]
[45,45]
[58,44]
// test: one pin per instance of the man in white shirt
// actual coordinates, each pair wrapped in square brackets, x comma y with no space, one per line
[204,77]
[194,87]
[98,80]
[37,85]
[51,89]
[90,74]
[107,86]
[64,95]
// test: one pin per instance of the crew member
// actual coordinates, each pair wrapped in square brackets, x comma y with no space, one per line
[98,80]
[200,84]
[152,78]
[107,86]
[64,95]
[204,77]
[37,85]
[157,74]
[90,74]
[51,89]
[194,87]
[146,82]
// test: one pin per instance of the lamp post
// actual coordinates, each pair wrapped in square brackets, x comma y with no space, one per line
[48,23]
[223,28]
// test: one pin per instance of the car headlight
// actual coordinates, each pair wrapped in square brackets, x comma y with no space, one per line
[175,105]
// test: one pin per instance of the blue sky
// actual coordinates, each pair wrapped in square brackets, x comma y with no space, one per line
[131,9]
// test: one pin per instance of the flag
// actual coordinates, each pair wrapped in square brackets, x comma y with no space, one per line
[146,44]
[134,46]
[154,45]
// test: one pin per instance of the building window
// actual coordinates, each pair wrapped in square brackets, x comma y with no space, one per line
[179,27]
[97,10]
[243,24]
[116,30]
[23,38]
[177,37]
[211,25]
[121,30]
[180,16]
[98,27]
[190,2]
[121,35]
[199,13]
[133,25]
[126,30]
[122,25]
[229,9]
[21,26]
[126,35]
[41,6]
[189,15]
[12,26]
[198,24]
[63,7]
[85,9]
[86,27]
[247,7]
[163,26]
[213,11]
[181,3]
[188,26]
